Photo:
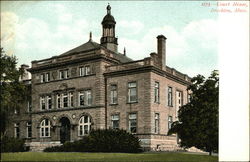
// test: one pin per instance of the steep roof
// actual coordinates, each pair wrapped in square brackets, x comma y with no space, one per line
[91,45]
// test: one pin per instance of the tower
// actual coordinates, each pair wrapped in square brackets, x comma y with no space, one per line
[108,39]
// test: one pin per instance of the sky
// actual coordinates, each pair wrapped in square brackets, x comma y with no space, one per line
[35,30]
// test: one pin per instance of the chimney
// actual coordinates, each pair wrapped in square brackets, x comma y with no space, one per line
[161,50]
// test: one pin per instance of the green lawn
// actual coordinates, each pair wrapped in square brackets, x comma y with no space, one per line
[121,157]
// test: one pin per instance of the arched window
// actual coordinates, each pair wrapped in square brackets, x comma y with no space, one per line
[84,125]
[45,128]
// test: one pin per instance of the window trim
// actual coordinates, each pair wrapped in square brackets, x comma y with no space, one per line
[168,101]
[47,77]
[112,126]
[65,95]
[87,101]
[64,73]
[85,70]
[136,122]
[157,131]
[42,100]
[169,125]
[58,97]
[81,71]
[29,106]
[157,97]
[128,94]
[29,125]
[49,97]
[42,78]
[71,99]
[17,127]
[44,128]
[89,124]
[112,94]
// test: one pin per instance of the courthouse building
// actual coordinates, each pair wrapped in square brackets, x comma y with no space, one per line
[93,86]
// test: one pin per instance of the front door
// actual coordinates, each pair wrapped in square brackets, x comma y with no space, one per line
[64,130]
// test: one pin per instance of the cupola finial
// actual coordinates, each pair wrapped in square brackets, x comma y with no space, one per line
[108,9]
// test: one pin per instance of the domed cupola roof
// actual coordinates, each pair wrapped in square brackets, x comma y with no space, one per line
[108,19]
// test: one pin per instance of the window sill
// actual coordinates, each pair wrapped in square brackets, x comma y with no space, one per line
[113,104]
[132,102]
[84,106]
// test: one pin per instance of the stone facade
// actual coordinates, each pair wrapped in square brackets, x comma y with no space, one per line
[95,87]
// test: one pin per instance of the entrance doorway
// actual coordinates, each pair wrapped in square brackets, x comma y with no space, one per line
[64,130]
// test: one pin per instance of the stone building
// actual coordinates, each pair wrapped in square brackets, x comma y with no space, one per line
[93,86]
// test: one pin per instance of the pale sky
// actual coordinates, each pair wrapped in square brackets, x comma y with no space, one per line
[37,30]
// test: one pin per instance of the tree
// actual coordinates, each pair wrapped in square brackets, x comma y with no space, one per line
[198,120]
[12,90]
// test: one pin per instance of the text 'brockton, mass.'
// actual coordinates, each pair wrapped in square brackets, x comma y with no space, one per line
[226,7]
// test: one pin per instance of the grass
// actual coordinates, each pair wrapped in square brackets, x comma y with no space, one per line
[106,157]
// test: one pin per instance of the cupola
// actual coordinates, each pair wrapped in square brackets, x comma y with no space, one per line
[108,39]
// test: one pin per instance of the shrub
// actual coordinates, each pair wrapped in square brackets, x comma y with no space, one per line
[106,140]
[9,144]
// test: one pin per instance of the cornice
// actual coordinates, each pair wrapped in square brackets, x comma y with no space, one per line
[144,70]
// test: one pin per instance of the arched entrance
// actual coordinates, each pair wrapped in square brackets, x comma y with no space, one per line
[64,130]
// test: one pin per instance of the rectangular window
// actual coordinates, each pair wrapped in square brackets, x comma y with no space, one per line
[29,130]
[17,130]
[58,98]
[85,98]
[178,101]
[81,98]
[170,121]
[64,74]
[170,96]
[157,96]
[47,77]
[132,92]
[61,75]
[29,106]
[65,100]
[87,70]
[89,97]
[42,103]
[49,102]
[115,121]
[42,77]
[71,99]
[113,94]
[157,130]
[81,70]
[132,123]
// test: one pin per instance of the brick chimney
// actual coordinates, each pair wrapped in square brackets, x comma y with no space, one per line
[161,51]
